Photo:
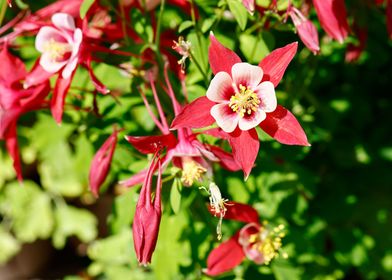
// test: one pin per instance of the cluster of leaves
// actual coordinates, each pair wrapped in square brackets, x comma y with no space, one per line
[333,197]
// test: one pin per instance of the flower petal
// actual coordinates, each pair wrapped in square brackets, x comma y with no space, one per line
[225,117]
[284,127]
[63,21]
[58,98]
[151,144]
[37,76]
[45,34]
[74,58]
[333,18]
[266,92]
[220,88]
[195,115]
[274,65]
[246,74]
[226,160]
[225,257]
[220,57]
[251,121]
[241,212]
[12,68]
[11,140]
[245,146]
[49,64]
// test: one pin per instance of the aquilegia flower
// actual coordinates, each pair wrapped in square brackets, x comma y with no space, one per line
[256,241]
[240,98]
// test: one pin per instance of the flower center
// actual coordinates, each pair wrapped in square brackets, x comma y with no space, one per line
[245,101]
[56,50]
[191,171]
[268,242]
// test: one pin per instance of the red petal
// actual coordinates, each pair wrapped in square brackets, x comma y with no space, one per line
[12,68]
[225,159]
[11,140]
[150,144]
[101,162]
[284,127]
[333,18]
[225,257]
[37,76]
[241,212]
[220,57]
[274,65]
[216,132]
[195,115]
[58,98]
[245,146]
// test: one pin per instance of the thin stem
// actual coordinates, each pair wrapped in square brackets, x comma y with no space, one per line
[154,119]
[159,23]
[192,57]
[158,103]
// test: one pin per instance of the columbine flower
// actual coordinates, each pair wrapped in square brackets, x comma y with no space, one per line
[59,45]
[242,96]
[184,151]
[184,49]
[333,18]
[306,30]
[258,242]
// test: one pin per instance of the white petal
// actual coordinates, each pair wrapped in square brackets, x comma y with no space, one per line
[254,120]
[50,65]
[63,21]
[45,34]
[246,74]
[221,88]
[225,118]
[266,92]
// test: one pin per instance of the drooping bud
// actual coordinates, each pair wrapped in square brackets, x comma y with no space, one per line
[306,30]
[101,162]
[147,219]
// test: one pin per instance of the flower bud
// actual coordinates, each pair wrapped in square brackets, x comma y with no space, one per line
[147,219]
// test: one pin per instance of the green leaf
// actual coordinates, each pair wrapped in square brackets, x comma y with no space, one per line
[85,7]
[240,13]
[254,48]
[284,271]
[73,221]
[175,195]
[9,246]
[29,209]
[185,25]
[124,208]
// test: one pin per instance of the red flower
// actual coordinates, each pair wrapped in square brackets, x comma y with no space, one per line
[147,219]
[259,243]
[241,97]
[101,162]
[15,101]
[333,18]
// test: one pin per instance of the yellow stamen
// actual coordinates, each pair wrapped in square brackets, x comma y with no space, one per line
[245,101]
[56,50]
[191,171]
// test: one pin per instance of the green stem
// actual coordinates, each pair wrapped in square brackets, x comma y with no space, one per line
[205,77]
[2,11]
[159,23]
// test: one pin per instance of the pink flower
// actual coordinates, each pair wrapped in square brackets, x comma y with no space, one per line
[257,242]
[101,162]
[15,101]
[59,45]
[333,18]
[242,96]
[147,219]
[306,30]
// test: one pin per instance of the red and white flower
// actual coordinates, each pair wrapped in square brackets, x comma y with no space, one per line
[240,98]
[59,45]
